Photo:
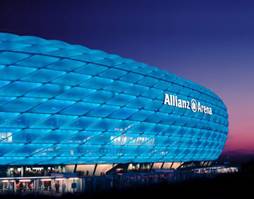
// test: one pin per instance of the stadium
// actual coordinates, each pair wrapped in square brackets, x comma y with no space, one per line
[67,109]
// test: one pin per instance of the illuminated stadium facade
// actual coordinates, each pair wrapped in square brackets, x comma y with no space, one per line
[63,104]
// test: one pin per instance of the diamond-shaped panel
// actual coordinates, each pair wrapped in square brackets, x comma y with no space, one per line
[67,104]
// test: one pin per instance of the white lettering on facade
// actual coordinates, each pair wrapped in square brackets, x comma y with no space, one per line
[140,140]
[194,105]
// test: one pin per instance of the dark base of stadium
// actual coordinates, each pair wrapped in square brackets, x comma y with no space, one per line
[220,187]
[189,178]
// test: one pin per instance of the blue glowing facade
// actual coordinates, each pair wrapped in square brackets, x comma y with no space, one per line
[67,104]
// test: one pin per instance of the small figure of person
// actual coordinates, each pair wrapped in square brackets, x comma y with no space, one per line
[57,185]
[64,187]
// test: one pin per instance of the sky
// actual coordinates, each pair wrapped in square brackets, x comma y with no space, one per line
[208,42]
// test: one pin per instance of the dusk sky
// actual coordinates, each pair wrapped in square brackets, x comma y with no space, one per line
[208,42]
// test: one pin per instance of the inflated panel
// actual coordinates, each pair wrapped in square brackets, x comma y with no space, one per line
[67,104]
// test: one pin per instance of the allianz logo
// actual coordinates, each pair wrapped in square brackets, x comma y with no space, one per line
[193,104]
